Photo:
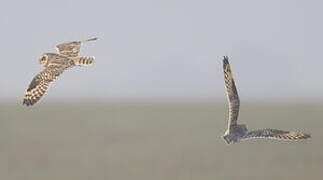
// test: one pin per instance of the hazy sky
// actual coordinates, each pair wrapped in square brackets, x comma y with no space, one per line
[167,48]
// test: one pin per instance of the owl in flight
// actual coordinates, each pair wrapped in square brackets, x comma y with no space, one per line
[55,64]
[237,132]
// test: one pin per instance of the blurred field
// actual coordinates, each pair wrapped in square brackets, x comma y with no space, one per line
[157,141]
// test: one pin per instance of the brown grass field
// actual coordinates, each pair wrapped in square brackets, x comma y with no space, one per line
[155,141]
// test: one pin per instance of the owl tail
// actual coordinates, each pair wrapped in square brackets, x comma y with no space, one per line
[83,61]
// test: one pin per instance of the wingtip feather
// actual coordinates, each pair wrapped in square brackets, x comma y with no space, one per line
[92,39]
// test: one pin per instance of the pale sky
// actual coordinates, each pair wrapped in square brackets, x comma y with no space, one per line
[166,48]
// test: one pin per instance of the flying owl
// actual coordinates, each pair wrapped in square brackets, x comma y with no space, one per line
[67,56]
[237,132]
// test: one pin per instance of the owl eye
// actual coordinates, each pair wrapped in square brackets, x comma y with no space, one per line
[44,58]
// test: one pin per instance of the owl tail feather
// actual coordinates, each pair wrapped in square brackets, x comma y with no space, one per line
[83,61]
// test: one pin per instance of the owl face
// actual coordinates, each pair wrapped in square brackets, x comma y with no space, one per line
[43,59]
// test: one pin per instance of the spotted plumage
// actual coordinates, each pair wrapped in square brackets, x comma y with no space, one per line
[71,49]
[83,61]
[276,134]
[55,64]
[237,132]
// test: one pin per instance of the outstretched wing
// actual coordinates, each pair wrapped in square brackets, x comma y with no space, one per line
[276,134]
[232,94]
[71,49]
[40,83]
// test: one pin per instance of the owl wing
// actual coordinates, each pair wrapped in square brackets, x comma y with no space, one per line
[40,83]
[276,134]
[71,49]
[232,93]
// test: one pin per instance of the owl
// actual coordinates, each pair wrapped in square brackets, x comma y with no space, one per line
[237,132]
[55,64]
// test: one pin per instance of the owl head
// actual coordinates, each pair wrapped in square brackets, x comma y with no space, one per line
[43,59]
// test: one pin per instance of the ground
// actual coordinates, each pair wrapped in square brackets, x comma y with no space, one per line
[155,141]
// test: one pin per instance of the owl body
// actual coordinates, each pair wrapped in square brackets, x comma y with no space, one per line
[48,59]
[235,133]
